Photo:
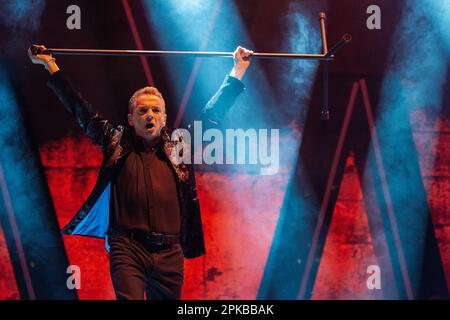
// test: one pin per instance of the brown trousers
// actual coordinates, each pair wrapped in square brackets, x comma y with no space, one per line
[136,271]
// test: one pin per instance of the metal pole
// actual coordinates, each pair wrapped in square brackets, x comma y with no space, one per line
[325,113]
[325,56]
[323,31]
[197,54]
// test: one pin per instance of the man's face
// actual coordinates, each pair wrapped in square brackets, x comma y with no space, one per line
[148,117]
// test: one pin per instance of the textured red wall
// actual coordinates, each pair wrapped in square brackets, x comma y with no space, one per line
[348,248]
[239,217]
[71,167]
[8,286]
[432,138]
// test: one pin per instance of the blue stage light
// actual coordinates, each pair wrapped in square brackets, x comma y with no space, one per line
[22,14]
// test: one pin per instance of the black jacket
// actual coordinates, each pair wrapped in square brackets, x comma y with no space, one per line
[116,142]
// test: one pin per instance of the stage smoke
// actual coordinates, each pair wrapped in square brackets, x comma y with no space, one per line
[22,14]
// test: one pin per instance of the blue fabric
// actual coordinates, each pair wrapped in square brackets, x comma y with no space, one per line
[106,243]
[96,221]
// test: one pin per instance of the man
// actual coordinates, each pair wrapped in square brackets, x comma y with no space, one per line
[144,201]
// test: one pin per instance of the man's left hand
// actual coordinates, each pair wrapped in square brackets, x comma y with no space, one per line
[241,58]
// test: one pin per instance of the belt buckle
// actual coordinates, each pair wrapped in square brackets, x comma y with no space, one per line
[158,236]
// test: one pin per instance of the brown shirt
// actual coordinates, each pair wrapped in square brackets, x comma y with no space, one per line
[144,194]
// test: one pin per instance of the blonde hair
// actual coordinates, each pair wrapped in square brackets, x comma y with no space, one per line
[145,90]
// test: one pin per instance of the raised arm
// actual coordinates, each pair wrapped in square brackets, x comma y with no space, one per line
[223,99]
[96,127]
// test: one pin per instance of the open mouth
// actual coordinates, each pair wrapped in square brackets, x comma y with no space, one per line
[149,125]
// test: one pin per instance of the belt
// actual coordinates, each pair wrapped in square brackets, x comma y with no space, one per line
[151,238]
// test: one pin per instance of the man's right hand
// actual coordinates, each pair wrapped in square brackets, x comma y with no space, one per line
[46,60]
